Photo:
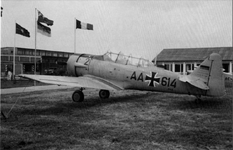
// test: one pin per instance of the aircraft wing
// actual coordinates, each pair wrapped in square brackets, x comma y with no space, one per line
[84,81]
[195,81]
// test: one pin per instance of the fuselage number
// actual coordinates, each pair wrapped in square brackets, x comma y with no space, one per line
[168,82]
[87,61]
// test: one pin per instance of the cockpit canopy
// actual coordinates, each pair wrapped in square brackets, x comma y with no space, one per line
[126,59]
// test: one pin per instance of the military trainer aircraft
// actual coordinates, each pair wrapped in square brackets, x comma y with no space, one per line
[113,71]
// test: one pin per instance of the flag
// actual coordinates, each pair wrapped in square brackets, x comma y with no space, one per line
[82,25]
[43,19]
[43,29]
[22,31]
[1,11]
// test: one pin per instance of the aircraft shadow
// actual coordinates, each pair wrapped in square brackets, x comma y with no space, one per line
[180,103]
[67,106]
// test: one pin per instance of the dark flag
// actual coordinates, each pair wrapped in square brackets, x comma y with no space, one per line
[81,25]
[1,11]
[22,31]
[43,19]
[43,29]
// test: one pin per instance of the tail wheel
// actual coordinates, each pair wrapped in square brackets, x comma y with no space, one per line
[78,96]
[104,94]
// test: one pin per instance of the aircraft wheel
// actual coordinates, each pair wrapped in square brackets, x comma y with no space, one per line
[104,94]
[78,96]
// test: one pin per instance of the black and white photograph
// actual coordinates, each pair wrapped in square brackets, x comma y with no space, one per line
[116,75]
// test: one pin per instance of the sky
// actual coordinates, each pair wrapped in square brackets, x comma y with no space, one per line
[141,28]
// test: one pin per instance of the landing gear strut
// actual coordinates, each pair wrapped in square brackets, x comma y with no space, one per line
[104,94]
[78,96]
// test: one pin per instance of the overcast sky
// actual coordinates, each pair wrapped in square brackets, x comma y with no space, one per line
[142,28]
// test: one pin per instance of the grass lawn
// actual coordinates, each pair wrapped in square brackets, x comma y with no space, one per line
[127,120]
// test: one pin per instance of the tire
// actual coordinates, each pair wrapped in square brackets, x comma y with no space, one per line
[104,94]
[78,96]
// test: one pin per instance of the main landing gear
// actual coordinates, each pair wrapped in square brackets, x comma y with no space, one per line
[78,95]
[104,94]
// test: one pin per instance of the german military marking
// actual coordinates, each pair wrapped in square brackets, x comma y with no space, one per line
[152,79]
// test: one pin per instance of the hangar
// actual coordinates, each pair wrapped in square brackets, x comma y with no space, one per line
[185,60]
[48,62]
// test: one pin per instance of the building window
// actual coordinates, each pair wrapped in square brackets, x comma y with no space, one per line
[28,52]
[226,67]
[28,67]
[66,55]
[60,54]
[4,58]
[48,53]
[178,67]
[20,52]
[17,58]
[42,53]
[189,67]
[24,59]
[168,67]
[55,54]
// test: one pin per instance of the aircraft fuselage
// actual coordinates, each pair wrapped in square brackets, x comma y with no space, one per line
[131,77]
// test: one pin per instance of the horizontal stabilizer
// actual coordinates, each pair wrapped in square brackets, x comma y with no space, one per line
[195,81]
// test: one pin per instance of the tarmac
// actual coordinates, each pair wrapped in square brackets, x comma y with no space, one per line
[33,88]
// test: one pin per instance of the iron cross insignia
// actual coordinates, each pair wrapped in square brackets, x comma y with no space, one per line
[152,79]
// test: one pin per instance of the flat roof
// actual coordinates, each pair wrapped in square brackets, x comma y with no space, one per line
[31,49]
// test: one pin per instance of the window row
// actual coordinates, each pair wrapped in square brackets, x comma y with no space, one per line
[19,59]
[42,53]
[179,67]
[189,67]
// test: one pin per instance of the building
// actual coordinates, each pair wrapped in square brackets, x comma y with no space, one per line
[47,62]
[187,59]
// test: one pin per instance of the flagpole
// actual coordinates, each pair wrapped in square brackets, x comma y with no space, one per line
[14,54]
[35,44]
[74,35]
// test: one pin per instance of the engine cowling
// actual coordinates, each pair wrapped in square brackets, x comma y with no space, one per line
[71,65]
[77,65]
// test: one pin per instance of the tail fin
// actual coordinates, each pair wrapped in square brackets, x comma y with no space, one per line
[210,72]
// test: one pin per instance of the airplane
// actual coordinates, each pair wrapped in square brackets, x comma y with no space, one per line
[116,71]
